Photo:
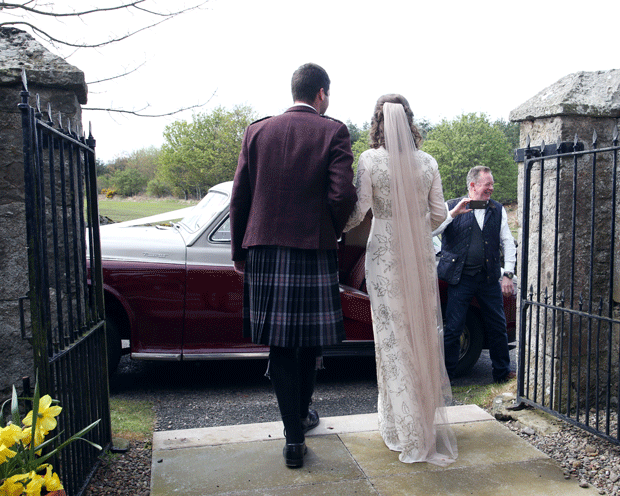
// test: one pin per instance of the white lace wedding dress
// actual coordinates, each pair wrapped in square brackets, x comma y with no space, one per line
[413,386]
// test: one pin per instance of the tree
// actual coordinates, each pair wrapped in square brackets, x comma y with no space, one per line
[465,142]
[360,146]
[511,130]
[27,14]
[100,167]
[424,126]
[145,161]
[128,182]
[34,17]
[199,154]
[356,131]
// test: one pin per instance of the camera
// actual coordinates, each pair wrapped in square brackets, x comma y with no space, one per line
[478,204]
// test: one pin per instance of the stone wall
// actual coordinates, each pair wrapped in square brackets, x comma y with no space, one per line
[63,86]
[579,104]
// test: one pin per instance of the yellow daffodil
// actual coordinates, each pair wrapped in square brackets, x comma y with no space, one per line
[10,435]
[50,479]
[14,486]
[46,420]
[5,453]
[33,476]
[46,416]
[33,488]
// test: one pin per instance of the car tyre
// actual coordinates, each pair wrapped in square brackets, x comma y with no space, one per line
[472,342]
[113,339]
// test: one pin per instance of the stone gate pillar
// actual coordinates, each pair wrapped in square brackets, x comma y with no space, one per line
[579,104]
[62,85]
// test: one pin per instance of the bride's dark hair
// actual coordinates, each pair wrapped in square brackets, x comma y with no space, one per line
[377,136]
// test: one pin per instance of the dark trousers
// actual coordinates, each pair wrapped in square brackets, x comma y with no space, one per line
[489,296]
[293,375]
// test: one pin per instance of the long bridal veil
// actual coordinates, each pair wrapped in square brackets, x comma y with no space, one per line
[415,255]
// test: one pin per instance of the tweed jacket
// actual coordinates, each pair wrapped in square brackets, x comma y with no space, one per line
[294,183]
[456,239]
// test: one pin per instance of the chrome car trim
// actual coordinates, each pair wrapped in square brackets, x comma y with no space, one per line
[148,258]
[225,356]
[208,264]
[157,356]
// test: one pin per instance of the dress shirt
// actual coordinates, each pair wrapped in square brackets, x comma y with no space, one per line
[506,238]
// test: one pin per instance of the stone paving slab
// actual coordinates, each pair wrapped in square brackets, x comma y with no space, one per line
[530,478]
[347,456]
[210,436]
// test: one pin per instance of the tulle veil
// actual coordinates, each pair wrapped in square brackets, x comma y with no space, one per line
[415,256]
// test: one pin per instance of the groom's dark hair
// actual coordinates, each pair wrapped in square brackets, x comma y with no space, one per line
[307,81]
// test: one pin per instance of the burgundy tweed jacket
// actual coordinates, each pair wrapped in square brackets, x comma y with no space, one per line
[294,183]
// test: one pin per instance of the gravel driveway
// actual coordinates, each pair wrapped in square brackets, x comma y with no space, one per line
[190,395]
[205,394]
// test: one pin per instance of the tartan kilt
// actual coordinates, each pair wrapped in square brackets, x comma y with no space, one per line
[291,297]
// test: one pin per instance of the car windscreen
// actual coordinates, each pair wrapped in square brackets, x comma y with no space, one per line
[205,211]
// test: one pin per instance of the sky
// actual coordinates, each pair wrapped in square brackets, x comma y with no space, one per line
[447,57]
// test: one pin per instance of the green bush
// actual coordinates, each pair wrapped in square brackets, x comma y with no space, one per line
[129,182]
[157,188]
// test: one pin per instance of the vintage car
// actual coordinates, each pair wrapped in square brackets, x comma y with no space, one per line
[171,292]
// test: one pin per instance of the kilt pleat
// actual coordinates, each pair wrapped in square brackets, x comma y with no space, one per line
[292,297]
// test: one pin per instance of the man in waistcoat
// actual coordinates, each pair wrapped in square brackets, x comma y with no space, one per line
[470,264]
[292,195]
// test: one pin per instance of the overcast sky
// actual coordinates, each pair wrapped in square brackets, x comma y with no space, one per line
[446,56]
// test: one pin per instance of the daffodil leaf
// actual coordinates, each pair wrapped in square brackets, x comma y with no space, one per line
[35,417]
[77,436]
[15,407]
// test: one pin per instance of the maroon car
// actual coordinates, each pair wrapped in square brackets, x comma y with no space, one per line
[171,292]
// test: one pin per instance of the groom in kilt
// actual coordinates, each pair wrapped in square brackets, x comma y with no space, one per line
[292,195]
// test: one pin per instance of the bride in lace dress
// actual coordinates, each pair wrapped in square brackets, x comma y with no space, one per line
[402,187]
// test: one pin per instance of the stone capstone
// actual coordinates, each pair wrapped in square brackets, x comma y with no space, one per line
[19,50]
[593,94]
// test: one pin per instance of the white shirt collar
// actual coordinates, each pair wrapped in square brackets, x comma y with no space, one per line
[299,104]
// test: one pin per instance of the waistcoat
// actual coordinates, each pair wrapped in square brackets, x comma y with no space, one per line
[456,240]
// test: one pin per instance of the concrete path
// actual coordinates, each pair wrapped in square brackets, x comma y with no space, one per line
[347,456]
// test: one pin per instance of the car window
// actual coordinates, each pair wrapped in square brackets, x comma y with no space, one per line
[205,211]
[222,233]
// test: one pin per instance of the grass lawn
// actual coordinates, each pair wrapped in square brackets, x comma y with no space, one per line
[123,209]
[132,419]
[482,394]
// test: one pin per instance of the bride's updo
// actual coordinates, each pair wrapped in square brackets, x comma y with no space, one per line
[377,136]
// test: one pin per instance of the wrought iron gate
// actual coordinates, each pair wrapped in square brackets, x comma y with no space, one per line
[66,298]
[569,327]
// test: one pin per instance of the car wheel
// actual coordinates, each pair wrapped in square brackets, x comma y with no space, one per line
[114,344]
[472,341]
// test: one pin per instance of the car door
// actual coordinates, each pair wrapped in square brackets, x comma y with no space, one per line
[144,270]
[214,298]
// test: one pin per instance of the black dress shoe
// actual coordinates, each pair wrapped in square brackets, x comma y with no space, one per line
[294,454]
[508,377]
[311,421]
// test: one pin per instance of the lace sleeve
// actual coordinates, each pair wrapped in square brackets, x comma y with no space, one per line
[364,194]
[436,202]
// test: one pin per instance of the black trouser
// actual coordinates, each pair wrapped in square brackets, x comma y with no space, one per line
[293,374]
